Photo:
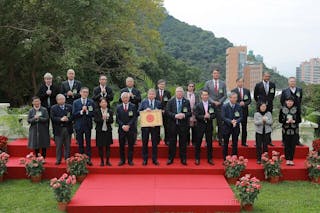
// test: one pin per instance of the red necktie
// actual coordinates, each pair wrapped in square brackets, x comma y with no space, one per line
[125,108]
[216,86]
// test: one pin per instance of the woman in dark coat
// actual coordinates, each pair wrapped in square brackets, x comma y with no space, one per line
[103,116]
[38,119]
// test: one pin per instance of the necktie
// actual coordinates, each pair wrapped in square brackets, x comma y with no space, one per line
[241,94]
[161,95]
[216,86]
[266,88]
[48,100]
[83,102]
[179,106]
[151,103]
[125,108]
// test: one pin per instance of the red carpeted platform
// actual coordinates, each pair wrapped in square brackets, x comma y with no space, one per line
[154,193]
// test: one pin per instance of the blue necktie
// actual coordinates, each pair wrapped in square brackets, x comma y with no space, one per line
[179,106]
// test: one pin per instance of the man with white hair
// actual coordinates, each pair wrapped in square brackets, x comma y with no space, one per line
[71,87]
[178,111]
[126,119]
[61,117]
[48,92]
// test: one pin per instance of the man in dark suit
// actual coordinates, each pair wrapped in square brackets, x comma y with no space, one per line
[48,92]
[296,93]
[217,96]
[61,116]
[150,104]
[126,119]
[178,111]
[163,96]
[232,116]
[102,91]
[244,99]
[265,91]
[71,87]
[83,111]
[204,113]
[135,98]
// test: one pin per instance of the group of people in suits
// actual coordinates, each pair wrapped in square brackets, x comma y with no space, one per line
[187,118]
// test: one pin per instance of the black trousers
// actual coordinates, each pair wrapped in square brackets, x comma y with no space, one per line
[244,134]
[262,141]
[79,137]
[43,152]
[176,131]
[123,137]
[101,152]
[219,123]
[63,140]
[155,133]
[234,132]
[193,136]
[290,142]
[201,131]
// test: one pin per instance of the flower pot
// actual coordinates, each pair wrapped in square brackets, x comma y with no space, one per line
[62,206]
[314,180]
[274,179]
[232,181]
[80,178]
[1,178]
[36,178]
[247,207]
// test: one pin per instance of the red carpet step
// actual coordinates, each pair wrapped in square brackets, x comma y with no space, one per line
[154,193]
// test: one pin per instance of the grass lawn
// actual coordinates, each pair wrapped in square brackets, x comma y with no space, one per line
[23,196]
[287,196]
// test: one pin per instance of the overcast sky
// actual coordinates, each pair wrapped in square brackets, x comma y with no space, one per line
[284,32]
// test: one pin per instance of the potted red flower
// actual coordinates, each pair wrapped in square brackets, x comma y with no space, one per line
[3,143]
[62,189]
[272,166]
[313,166]
[34,166]
[247,189]
[233,167]
[316,145]
[4,157]
[77,166]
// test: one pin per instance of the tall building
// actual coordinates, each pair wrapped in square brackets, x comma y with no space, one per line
[252,74]
[309,71]
[235,63]
[298,74]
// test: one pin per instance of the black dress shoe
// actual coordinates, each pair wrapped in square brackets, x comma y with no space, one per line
[271,144]
[144,163]
[101,163]
[58,163]
[108,163]
[89,163]
[184,162]
[197,162]
[210,161]
[156,163]
[121,163]
[169,162]
[245,145]
[130,163]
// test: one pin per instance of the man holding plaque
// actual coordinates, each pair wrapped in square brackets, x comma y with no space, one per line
[126,119]
[61,116]
[244,99]
[179,112]
[71,87]
[83,111]
[150,104]
[204,113]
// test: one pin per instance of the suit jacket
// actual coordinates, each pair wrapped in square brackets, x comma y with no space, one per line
[56,114]
[166,97]
[42,93]
[137,96]
[128,117]
[228,114]
[199,113]
[171,111]
[261,96]
[246,99]
[220,96]
[83,121]
[286,93]
[99,121]
[97,95]
[145,104]
[76,88]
